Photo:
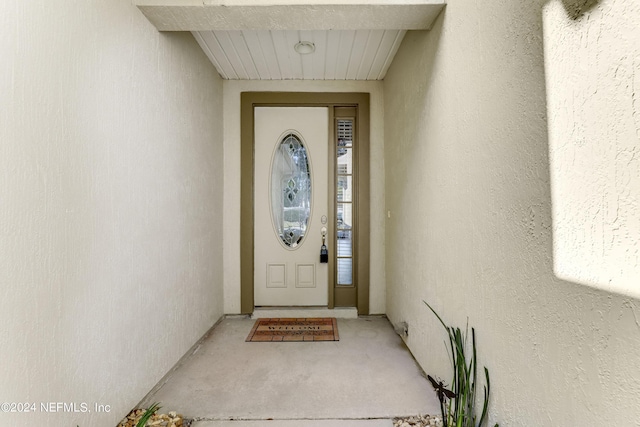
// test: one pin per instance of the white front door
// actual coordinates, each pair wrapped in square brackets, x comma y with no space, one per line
[290,205]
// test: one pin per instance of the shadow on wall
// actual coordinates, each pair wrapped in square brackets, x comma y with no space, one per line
[577,8]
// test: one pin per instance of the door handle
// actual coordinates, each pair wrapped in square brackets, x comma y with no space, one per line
[324,252]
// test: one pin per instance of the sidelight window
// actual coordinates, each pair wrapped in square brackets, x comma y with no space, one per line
[344,202]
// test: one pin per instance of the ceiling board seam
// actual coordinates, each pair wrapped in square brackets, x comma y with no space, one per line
[275,48]
[215,36]
[353,43]
[343,37]
[333,41]
[253,62]
[264,58]
[375,57]
[294,57]
[364,53]
[390,55]
[314,70]
[268,49]
[256,51]
[230,71]
[235,49]
[203,44]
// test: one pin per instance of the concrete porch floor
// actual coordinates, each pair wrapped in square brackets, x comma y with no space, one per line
[363,380]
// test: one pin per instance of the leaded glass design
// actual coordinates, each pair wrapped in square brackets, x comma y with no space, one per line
[290,190]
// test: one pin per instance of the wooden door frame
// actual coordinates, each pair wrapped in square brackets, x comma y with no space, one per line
[250,100]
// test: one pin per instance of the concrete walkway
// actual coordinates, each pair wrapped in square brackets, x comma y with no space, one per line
[363,380]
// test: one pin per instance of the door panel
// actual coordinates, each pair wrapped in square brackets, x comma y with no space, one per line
[287,227]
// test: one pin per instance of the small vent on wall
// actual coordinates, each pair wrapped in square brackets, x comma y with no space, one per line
[402,329]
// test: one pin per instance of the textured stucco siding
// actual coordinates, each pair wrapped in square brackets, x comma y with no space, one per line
[470,230]
[593,81]
[110,206]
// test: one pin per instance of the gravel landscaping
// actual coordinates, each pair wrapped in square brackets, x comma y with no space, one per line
[418,421]
[172,419]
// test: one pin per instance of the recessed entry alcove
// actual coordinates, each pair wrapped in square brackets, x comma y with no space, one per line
[258,44]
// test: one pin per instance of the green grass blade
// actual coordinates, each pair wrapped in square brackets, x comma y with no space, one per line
[485,405]
[437,315]
[148,414]
[473,359]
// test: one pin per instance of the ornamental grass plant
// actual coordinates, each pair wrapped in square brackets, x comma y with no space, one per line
[458,405]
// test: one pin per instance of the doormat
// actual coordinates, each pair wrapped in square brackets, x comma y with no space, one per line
[315,329]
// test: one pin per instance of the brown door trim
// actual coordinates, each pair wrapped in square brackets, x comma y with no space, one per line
[249,100]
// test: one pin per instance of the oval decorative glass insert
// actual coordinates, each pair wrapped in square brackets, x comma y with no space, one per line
[290,190]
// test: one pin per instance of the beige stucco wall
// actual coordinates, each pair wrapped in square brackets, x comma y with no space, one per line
[232,90]
[593,81]
[110,206]
[469,192]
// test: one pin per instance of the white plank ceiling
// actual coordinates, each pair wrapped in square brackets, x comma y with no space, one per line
[270,54]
